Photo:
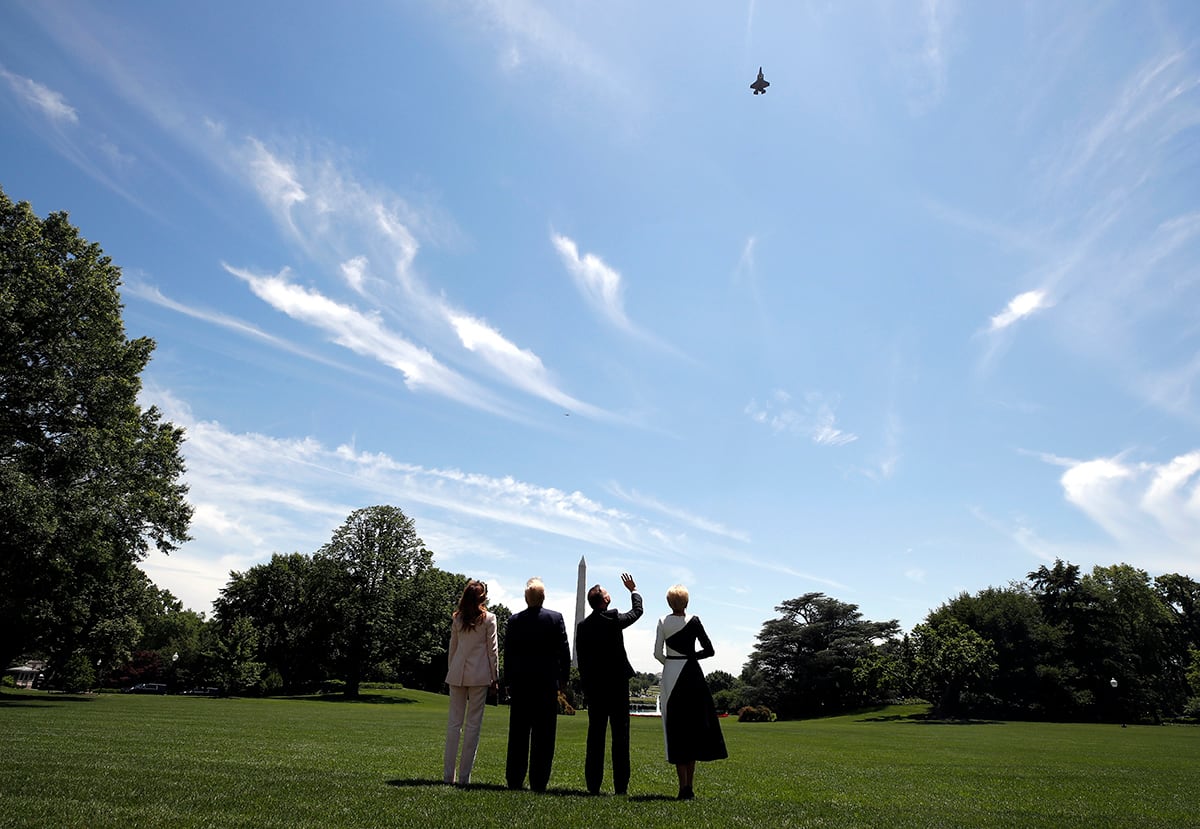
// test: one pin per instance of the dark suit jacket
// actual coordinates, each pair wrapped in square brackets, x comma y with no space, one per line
[537,656]
[600,645]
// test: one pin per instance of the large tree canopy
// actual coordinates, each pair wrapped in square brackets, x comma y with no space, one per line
[362,572]
[804,661]
[90,479]
[280,600]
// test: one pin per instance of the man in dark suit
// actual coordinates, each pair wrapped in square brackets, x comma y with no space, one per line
[605,671]
[537,665]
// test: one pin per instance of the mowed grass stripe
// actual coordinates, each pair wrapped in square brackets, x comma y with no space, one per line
[117,760]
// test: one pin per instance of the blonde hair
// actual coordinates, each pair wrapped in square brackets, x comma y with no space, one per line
[677,598]
[535,592]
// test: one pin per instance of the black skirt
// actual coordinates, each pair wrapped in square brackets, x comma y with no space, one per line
[693,730]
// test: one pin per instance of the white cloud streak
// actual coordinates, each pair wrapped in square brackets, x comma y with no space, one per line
[152,294]
[697,521]
[933,56]
[369,240]
[603,287]
[599,283]
[815,418]
[45,100]
[530,31]
[522,367]
[1149,510]
[260,494]
[365,334]
[1019,307]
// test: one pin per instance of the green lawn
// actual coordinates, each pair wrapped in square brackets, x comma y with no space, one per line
[121,760]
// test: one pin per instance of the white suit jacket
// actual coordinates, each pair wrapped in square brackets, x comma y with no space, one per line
[474,657]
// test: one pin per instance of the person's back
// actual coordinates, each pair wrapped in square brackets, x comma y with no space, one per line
[533,657]
[600,645]
[605,670]
[537,664]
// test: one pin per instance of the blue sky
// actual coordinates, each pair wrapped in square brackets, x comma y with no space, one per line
[548,277]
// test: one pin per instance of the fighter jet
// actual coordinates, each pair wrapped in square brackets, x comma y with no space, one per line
[760,85]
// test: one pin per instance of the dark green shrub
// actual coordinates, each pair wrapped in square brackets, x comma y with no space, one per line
[756,713]
[77,673]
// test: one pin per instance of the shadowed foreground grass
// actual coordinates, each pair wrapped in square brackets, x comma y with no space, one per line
[122,760]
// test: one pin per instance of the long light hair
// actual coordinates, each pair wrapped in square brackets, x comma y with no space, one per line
[473,604]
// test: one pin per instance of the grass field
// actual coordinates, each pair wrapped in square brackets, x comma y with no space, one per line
[123,760]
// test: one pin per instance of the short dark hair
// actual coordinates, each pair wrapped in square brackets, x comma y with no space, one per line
[596,597]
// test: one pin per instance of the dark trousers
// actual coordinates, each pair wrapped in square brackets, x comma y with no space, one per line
[604,710]
[532,726]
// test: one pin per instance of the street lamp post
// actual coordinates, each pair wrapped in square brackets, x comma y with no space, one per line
[1113,684]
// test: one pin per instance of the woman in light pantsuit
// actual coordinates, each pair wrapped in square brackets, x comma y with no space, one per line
[474,665]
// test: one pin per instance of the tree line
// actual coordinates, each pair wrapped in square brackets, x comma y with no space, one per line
[1113,644]
[368,606]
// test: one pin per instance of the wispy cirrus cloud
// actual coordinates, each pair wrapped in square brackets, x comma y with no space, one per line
[600,284]
[933,57]
[603,287]
[261,494]
[814,418]
[523,368]
[921,37]
[1152,509]
[152,294]
[58,121]
[1112,231]
[530,32]
[1019,307]
[1144,110]
[368,239]
[366,334]
[697,521]
[1149,511]
[53,105]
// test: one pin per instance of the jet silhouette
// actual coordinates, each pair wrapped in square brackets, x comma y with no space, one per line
[760,85]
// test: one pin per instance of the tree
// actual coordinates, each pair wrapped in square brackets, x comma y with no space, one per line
[949,657]
[882,672]
[1070,682]
[236,659]
[360,573]
[1192,707]
[804,662]
[279,599]
[1181,595]
[726,690]
[1139,649]
[90,478]
[416,653]
[1027,681]
[720,680]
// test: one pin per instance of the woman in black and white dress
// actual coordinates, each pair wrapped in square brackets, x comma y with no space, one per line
[690,722]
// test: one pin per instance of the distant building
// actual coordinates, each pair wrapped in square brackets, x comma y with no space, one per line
[25,675]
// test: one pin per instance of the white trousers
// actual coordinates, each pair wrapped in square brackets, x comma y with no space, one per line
[466,717]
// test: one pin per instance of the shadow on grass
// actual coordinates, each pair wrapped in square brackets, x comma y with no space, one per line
[927,719]
[419,782]
[41,700]
[369,699]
